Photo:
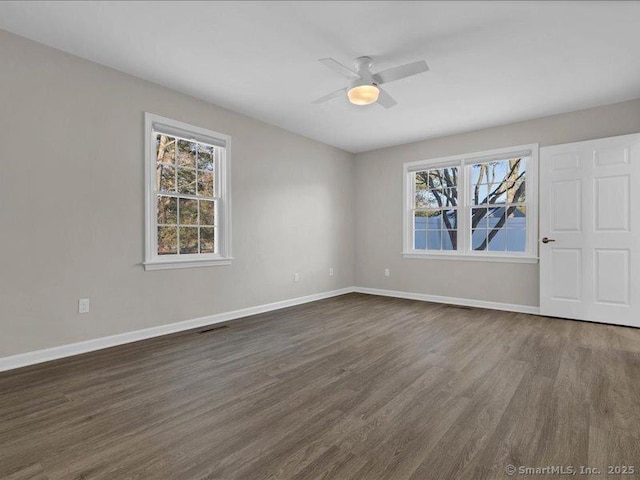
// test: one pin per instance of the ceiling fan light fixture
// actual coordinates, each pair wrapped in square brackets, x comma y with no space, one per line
[363,94]
[363,89]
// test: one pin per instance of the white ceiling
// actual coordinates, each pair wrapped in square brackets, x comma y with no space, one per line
[491,62]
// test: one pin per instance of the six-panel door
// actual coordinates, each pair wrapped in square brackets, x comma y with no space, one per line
[589,214]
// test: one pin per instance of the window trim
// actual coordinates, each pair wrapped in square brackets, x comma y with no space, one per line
[153,261]
[465,251]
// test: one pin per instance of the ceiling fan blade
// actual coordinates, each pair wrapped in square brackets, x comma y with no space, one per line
[396,73]
[385,99]
[340,68]
[331,95]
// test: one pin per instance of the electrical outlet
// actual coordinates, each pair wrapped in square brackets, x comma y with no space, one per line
[83,305]
[386,272]
[331,272]
[296,277]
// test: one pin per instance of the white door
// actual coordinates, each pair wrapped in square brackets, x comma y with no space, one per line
[589,230]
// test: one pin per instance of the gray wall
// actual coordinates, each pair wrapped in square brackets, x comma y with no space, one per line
[71,206]
[379,205]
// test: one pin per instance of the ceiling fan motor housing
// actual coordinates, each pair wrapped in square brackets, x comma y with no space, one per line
[363,67]
[363,63]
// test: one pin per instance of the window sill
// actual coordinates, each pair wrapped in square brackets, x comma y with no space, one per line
[471,258]
[180,263]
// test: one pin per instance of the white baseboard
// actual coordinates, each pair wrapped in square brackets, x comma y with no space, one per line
[54,353]
[466,302]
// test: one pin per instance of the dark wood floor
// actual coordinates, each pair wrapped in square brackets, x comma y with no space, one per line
[355,387]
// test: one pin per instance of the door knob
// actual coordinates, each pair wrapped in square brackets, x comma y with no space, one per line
[547,240]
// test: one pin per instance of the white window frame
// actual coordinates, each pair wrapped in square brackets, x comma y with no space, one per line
[222,179]
[464,163]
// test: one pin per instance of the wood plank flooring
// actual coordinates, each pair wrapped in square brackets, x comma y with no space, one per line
[354,387]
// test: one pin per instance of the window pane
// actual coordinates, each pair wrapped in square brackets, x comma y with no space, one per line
[479,194]
[167,237]
[516,192]
[521,194]
[478,239]
[497,171]
[419,220]
[205,157]
[186,154]
[449,197]
[165,178]
[498,195]
[517,218]
[498,239]
[205,183]
[186,181]
[449,240]
[434,199]
[420,187]
[207,212]
[442,219]
[207,239]
[506,171]
[188,240]
[165,149]
[450,219]
[420,240]
[443,177]
[421,199]
[518,167]
[435,179]
[516,240]
[442,184]
[495,217]
[434,239]
[477,174]
[188,212]
[498,181]
[434,220]
[478,218]
[167,210]
[450,176]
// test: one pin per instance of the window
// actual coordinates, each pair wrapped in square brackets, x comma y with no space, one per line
[188,199]
[435,209]
[477,206]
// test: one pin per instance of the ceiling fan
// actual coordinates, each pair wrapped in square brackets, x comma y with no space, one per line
[364,88]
